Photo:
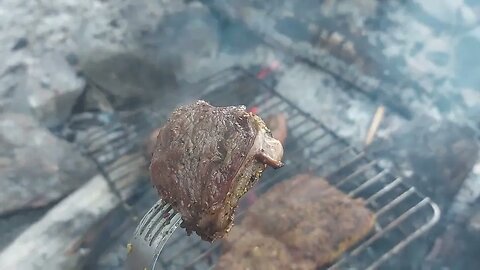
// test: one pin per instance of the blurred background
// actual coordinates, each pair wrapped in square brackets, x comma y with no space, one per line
[84,83]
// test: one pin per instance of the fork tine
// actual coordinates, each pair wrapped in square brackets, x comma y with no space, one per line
[144,219]
[150,215]
[151,234]
[158,223]
[164,231]
[154,220]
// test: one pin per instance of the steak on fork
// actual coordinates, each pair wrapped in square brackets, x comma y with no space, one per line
[206,158]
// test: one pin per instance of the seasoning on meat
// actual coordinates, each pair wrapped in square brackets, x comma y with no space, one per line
[253,249]
[313,220]
[206,158]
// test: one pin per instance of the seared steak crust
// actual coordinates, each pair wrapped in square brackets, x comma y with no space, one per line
[314,221]
[206,158]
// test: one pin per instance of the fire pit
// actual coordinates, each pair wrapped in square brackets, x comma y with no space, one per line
[403,213]
[377,98]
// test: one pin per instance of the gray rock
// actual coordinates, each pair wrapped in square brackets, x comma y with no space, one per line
[36,168]
[41,44]
[46,87]
[126,79]
[52,88]
[192,32]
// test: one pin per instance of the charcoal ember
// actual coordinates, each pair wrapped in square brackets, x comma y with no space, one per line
[435,156]
[206,158]
[36,168]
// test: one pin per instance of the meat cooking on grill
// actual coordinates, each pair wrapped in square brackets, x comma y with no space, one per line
[206,158]
[312,220]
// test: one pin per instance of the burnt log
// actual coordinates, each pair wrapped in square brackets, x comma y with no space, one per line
[56,239]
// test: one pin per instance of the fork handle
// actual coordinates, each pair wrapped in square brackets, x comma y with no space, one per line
[139,256]
[150,237]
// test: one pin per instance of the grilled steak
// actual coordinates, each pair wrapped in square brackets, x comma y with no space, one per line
[315,221]
[253,249]
[206,158]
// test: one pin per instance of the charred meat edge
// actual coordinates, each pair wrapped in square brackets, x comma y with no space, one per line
[264,151]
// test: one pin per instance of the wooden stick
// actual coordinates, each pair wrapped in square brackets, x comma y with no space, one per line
[52,242]
[375,124]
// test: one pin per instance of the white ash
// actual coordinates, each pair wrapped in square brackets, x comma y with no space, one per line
[321,95]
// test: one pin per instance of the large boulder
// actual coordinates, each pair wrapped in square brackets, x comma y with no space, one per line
[36,168]
[41,44]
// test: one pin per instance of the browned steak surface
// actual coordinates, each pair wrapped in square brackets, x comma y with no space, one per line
[206,158]
[314,221]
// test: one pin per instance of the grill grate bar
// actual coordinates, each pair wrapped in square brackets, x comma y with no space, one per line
[284,173]
[98,144]
[301,123]
[97,134]
[385,189]
[124,161]
[307,132]
[114,144]
[390,226]
[345,165]
[270,107]
[274,109]
[327,147]
[368,183]
[406,241]
[326,154]
[395,201]
[354,174]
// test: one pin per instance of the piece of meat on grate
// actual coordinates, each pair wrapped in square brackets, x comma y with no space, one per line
[315,221]
[206,158]
[250,249]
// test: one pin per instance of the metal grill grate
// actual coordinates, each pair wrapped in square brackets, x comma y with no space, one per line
[403,214]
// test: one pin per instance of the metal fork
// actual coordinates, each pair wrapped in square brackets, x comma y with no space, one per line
[150,236]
